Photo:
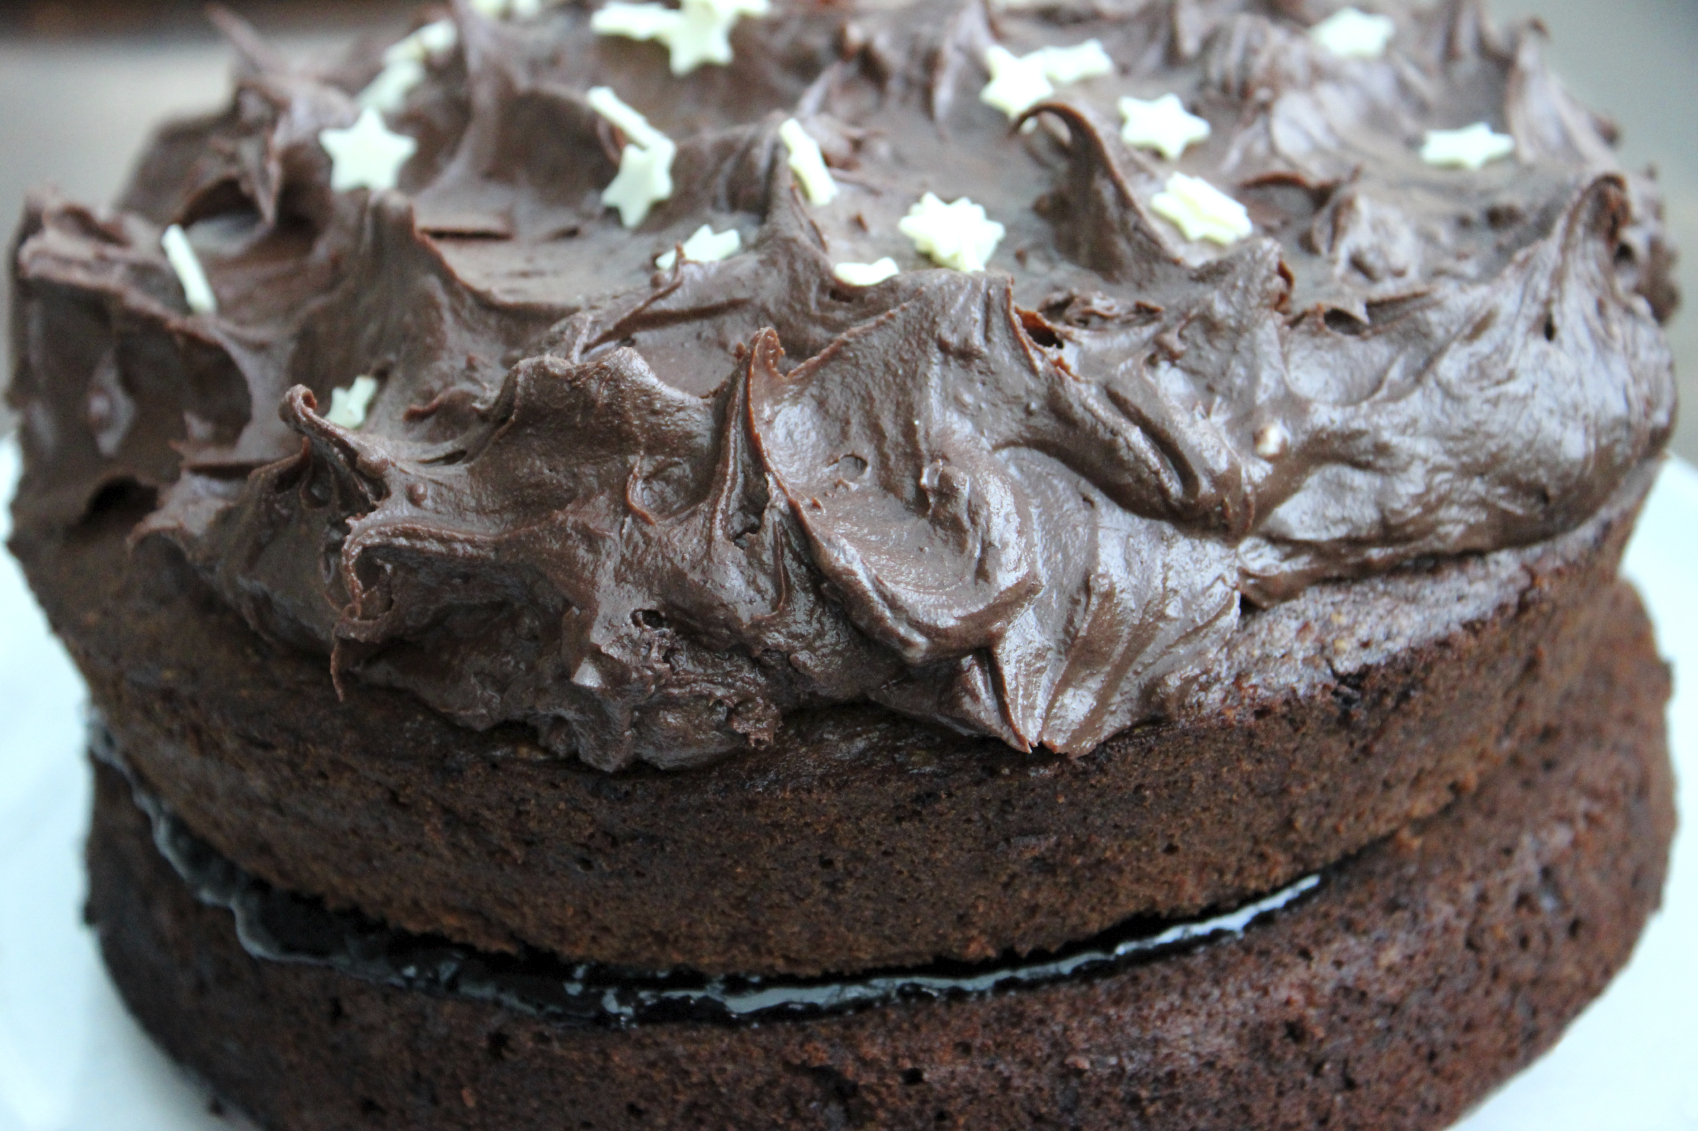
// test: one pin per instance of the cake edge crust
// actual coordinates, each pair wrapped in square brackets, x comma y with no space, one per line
[805,858]
[1427,970]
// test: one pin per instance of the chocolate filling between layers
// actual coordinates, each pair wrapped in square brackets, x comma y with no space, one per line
[281,926]
[1394,998]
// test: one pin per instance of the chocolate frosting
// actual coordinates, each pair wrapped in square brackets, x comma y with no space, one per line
[649,512]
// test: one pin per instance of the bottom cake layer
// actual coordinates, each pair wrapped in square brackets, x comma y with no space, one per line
[1410,981]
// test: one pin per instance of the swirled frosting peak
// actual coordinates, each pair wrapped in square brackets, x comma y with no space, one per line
[650,512]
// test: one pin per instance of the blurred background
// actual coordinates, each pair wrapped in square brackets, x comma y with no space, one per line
[83,81]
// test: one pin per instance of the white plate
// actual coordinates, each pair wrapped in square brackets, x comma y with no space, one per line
[72,1060]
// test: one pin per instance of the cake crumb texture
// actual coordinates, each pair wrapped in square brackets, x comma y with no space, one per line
[860,839]
[1423,973]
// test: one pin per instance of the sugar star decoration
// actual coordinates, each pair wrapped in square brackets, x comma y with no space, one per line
[1019,82]
[1470,148]
[348,407]
[955,235]
[404,66]
[696,32]
[500,9]
[1067,65]
[197,291]
[431,41]
[1163,125]
[808,163]
[388,91]
[866,274]
[645,164]
[704,246]
[1200,211]
[1272,440]
[1352,34]
[366,155]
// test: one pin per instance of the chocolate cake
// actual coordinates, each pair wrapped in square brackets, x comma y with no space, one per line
[1405,983]
[883,564]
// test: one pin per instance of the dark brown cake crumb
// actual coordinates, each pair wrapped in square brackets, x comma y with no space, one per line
[859,839]
[1428,969]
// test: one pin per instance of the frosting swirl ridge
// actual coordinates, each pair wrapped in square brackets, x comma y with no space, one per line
[649,511]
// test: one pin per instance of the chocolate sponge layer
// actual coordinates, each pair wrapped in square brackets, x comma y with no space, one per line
[860,839]
[1418,976]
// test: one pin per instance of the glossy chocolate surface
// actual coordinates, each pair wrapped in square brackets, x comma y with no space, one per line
[650,512]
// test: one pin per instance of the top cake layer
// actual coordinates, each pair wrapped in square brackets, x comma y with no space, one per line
[650,509]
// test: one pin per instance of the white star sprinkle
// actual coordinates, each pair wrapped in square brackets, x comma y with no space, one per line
[1066,65]
[434,39]
[1019,82]
[866,274]
[197,291]
[623,117]
[957,234]
[1163,125]
[500,9]
[1470,148]
[1201,211]
[696,32]
[808,163]
[637,21]
[704,246]
[645,164]
[1352,34]
[348,407]
[404,65]
[366,155]
[1272,440]
[388,91]
[644,179]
